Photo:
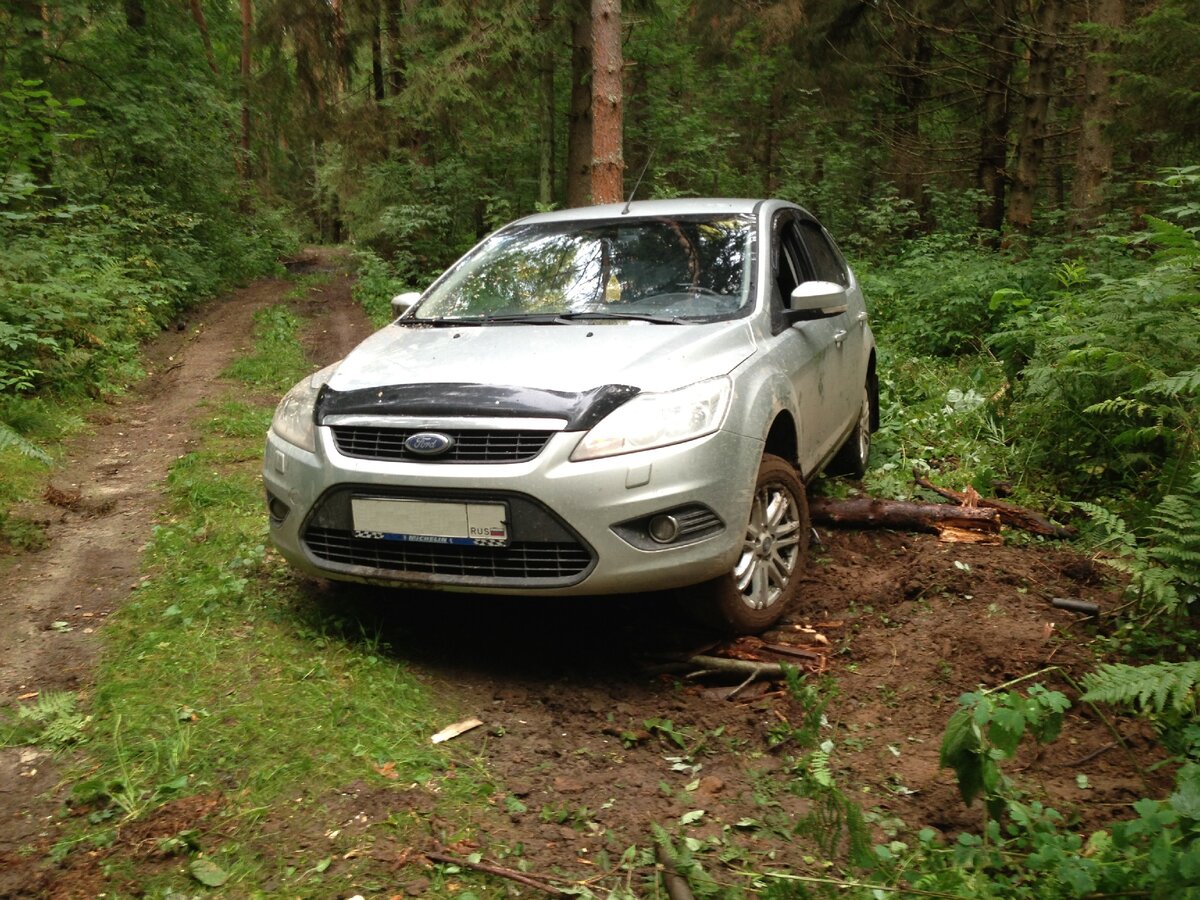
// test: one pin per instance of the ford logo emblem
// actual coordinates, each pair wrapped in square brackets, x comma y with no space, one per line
[428,443]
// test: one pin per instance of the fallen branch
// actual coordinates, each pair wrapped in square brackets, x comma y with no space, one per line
[698,666]
[677,886]
[1010,514]
[499,871]
[902,515]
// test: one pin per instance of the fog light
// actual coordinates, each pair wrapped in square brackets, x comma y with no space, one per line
[278,509]
[664,529]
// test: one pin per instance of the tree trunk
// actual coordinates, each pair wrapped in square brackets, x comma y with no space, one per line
[910,76]
[340,49]
[395,67]
[995,117]
[247,29]
[608,164]
[1031,143]
[31,63]
[376,57]
[1094,156]
[546,140]
[202,27]
[579,122]
[869,513]
[135,15]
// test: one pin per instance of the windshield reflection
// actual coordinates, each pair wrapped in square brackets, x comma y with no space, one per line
[690,268]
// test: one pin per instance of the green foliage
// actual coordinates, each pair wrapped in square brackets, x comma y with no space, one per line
[377,283]
[51,721]
[1164,565]
[987,729]
[1154,687]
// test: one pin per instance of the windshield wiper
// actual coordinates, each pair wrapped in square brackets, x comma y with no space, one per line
[562,318]
[441,321]
[637,317]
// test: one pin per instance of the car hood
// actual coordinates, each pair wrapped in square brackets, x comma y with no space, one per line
[575,357]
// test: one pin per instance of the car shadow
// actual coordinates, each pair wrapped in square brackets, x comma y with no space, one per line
[513,636]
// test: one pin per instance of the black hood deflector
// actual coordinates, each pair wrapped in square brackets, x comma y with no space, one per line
[582,410]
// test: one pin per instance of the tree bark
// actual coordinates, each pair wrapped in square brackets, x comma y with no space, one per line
[340,48]
[897,514]
[395,68]
[376,57]
[247,29]
[995,117]
[910,79]
[135,15]
[31,63]
[205,38]
[1094,157]
[579,122]
[546,142]
[608,163]
[1010,514]
[1042,42]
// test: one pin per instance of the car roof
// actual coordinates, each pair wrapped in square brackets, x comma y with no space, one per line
[688,206]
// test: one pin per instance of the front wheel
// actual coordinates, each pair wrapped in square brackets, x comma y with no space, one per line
[852,458]
[766,577]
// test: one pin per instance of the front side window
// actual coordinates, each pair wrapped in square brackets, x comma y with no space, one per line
[693,268]
[825,259]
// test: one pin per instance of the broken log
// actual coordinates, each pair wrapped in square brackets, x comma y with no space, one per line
[1010,514]
[902,515]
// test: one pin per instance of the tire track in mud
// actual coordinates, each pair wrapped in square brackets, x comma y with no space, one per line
[98,514]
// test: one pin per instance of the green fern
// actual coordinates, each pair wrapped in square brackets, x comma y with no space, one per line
[23,446]
[1157,687]
[52,721]
[1164,567]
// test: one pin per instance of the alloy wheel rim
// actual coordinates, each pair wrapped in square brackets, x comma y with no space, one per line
[770,548]
[864,429]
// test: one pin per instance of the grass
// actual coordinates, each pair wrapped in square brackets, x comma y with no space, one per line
[32,431]
[227,676]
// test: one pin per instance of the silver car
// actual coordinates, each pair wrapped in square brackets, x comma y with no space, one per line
[605,400]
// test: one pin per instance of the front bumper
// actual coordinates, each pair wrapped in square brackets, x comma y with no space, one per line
[562,539]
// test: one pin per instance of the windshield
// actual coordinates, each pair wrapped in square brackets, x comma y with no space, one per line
[689,268]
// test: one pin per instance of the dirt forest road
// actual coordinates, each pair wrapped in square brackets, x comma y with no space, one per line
[576,719]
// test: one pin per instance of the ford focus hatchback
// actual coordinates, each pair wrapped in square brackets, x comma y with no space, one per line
[605,400]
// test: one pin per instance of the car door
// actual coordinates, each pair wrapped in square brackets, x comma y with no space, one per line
[805,349]
[846,367]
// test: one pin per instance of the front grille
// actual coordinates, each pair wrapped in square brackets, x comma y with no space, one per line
[470,446]
[520,560]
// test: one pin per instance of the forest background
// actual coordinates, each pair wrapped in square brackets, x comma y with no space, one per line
[1015,183]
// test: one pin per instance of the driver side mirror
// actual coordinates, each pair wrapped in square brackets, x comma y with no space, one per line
[815,300]
[402,303]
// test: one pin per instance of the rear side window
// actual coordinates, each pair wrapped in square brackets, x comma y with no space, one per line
[826,260]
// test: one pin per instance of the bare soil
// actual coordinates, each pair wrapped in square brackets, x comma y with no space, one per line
[578,727]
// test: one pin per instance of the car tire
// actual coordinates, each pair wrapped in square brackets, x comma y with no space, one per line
[852,458]
[765,580]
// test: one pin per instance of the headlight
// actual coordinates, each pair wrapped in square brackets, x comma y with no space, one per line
[294,415]
[656,420]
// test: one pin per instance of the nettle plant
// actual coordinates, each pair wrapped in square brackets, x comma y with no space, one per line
[1025,848]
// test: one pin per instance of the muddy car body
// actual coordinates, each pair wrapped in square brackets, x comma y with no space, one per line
[590,401]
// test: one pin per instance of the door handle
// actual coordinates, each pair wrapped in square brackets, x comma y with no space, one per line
[861,318]
[839,338]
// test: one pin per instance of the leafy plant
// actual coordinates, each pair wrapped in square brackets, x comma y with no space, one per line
[1153,688]
[52,721]
[987,729]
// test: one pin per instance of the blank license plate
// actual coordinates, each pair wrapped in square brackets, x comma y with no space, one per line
[431,522]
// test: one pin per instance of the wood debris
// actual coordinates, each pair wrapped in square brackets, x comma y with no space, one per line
[452,731]
[1010,514]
